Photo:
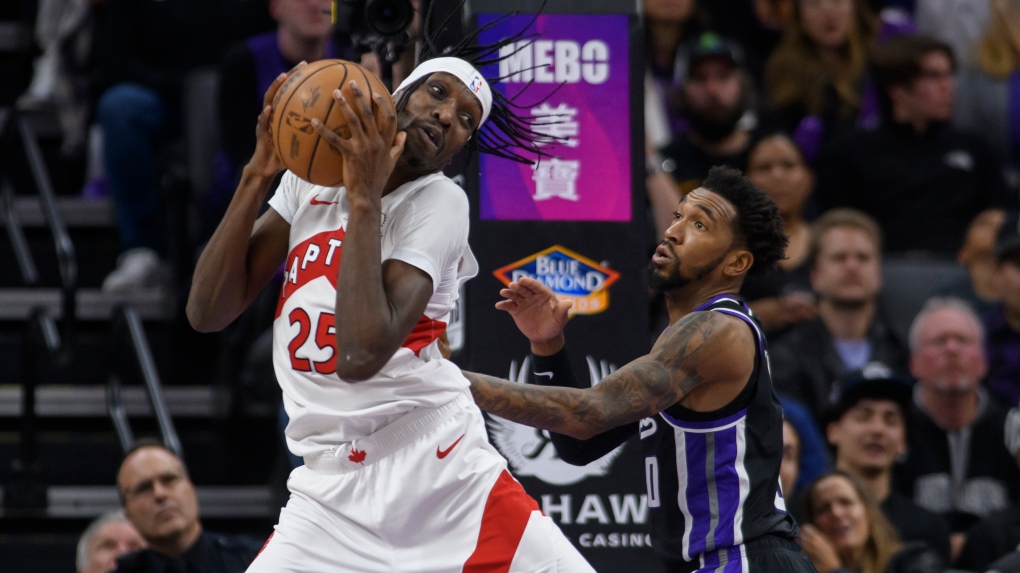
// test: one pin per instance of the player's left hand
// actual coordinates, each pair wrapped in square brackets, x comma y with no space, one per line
[538,312]
[369,155]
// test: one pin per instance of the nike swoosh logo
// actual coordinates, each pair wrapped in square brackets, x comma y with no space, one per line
[315,201]
[549,374]
[443,453]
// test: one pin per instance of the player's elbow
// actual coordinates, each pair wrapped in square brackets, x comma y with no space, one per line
[357,368]
[200,319]
[581,432]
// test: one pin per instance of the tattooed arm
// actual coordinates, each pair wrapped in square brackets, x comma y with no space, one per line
[701,349]
[555,370]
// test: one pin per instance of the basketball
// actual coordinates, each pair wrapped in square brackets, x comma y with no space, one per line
[308,93]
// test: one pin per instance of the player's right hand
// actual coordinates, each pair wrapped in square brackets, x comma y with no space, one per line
[265,161]
[538,313]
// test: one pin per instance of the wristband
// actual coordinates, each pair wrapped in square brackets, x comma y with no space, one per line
[553,370]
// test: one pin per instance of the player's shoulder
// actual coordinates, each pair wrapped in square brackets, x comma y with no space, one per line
[439,190]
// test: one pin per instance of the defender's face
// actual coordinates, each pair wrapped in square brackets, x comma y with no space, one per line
[696,243]
[439,118]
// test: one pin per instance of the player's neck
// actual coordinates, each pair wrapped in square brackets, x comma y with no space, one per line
[682,301]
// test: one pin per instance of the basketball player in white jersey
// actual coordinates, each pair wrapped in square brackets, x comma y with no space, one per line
[398,474]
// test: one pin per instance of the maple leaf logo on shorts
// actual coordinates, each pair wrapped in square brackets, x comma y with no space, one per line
[357,456]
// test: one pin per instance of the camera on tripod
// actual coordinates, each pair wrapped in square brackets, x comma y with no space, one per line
[376,25]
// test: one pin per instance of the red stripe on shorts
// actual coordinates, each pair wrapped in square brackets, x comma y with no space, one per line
[506,514]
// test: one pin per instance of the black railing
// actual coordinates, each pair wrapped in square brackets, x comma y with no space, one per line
[127,330]
[44,343]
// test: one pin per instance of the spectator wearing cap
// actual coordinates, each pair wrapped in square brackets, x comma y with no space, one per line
[957,464]
[868,430]
[667,25]
[1002,323]
[715,96]
[715,99]
[159,500]
[108,536]
[922,179]
[997,538]
[849,332]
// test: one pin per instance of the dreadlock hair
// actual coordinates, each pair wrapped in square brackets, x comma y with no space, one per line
[758,224]
[507,133]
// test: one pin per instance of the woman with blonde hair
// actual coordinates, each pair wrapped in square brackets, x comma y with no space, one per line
[844,530]
[988,93]
[815,78]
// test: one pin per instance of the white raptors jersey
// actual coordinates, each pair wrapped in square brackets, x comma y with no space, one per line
[425,224]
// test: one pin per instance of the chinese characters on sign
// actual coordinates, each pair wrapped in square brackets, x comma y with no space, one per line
[575,80]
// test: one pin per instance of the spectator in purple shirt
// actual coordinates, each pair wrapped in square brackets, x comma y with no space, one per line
[1002,323]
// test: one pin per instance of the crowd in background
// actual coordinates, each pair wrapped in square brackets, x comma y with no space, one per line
[885,131]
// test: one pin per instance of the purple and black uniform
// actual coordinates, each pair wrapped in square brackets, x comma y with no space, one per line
[712,477]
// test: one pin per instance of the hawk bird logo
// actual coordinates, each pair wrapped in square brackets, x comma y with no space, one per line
[530,452]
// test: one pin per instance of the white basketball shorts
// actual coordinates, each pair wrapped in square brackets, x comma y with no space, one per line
[425,494]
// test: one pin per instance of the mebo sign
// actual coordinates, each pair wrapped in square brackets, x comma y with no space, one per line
[568,274]
[571,79]
[554,61]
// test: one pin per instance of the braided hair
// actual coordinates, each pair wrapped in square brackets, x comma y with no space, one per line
[507,133]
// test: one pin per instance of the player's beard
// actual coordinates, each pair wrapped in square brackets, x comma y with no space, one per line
[674,278]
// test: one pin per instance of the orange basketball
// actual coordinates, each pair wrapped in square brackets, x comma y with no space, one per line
[308,93]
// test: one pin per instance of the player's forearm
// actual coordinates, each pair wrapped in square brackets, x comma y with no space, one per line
[568,411]
[364,317]
[222,284]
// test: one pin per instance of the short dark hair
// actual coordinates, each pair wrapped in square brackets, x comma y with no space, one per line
[142,443]
[758,224]
[897,62]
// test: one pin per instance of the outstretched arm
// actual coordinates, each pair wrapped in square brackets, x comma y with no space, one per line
[555,370]
[701,348]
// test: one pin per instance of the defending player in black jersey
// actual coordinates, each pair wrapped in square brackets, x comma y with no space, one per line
[702,399]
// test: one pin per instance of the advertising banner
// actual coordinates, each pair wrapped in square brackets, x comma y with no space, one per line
[575,72]
[576,221]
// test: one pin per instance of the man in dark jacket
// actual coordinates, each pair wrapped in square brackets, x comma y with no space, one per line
[849,334]
[159,500]
[915,162]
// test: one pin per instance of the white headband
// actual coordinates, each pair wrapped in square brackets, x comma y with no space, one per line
[464,71]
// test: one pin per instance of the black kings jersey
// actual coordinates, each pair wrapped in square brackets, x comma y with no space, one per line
[713,477]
